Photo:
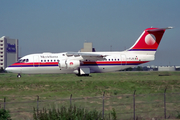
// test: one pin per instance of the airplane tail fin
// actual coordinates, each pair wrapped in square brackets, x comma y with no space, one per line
[149,40]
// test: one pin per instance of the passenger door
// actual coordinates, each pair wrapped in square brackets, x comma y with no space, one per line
[36,61]
[123,59]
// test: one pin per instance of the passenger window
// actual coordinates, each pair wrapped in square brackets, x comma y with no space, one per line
[27,60]
[44,60]
[54,60]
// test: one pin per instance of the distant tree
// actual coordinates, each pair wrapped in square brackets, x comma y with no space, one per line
[1,70]
[129,69]
[139,68]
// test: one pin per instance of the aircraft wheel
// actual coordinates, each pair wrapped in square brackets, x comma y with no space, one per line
[82,75]
[19,75]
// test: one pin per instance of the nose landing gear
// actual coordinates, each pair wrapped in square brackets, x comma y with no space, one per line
[19,75]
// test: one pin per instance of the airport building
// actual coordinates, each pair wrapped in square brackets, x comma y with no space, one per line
[88,47]
[8,51]
[166,68]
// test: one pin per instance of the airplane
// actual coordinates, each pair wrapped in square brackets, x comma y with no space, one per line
[84,63]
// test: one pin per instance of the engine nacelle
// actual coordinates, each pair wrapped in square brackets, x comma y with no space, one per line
[69,64]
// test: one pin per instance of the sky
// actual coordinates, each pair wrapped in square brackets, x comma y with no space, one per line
[64,25]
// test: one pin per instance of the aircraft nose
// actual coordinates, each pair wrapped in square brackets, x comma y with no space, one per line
[13,69]
[7,69]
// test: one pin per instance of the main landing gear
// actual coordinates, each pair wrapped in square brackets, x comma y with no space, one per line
[19,75]
[82,74]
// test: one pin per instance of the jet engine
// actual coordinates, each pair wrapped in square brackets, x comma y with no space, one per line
[69,64]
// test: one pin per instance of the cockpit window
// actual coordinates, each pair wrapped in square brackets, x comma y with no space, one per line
[19,61]
[23,60]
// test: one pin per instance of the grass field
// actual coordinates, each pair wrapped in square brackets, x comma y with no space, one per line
[62,85]
[119,84]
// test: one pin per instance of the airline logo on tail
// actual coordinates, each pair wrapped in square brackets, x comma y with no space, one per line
[149,40]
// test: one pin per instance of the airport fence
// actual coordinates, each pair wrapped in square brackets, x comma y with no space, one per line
[127,106]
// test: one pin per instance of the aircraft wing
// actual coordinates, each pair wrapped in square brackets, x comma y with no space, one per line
[87,55]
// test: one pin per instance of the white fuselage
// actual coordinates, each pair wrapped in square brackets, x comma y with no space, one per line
[50,62]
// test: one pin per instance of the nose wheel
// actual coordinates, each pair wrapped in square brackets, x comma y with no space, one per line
[19,75]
